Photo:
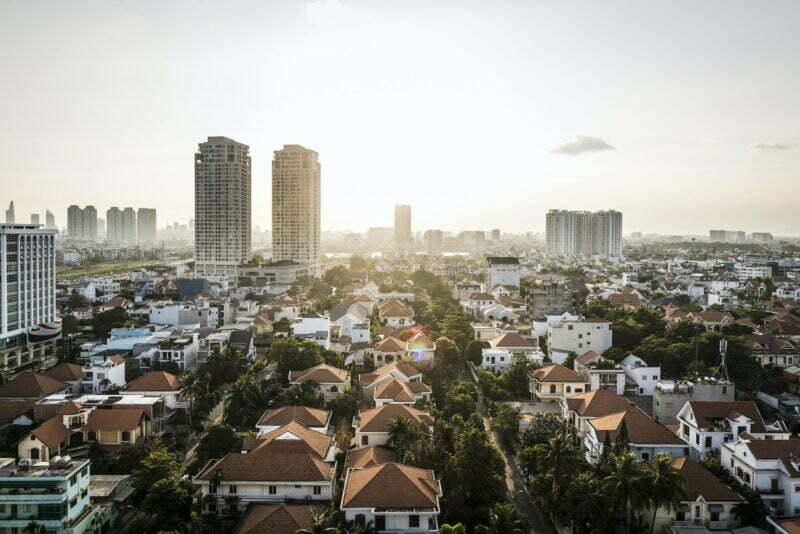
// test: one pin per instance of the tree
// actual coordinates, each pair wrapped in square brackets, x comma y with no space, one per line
[447,352]
[338,276]
[543,427]
[458,528]
[304,394]
[456,326]
[159,464]
[569,361]
[505,425]
[218,441]
[461,399]
[358,264]
[622,441]
[247,398]
[345,405]
[626,485]
[403,432]
[665,487]
[474,351]
[292,354]
[103,322]
[504,519]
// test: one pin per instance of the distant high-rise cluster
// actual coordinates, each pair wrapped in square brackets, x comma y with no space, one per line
[296,206]
[49,219]
[737,236]
[402,224]
[146,225]
[222,206]
[82,222]
[584,233]
[434,239]
[10,217]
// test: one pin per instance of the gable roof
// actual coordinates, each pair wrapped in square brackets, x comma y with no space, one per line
[114,419]
[785,322]
[419,341]
[785,450]
[700,482]
[597,403]
[705,412]
[368,456]
[404,368]
[315,442]
[510,340]
[394,308]
[395,390]
[587,357]
[65,372]
[278,518]
[321,374]
[390,344]
[155,381]
[11,409]
[30,385]
[641,428]
[378,419]
[52,432]
[304,415]
[758,341]
[557,373]
[390,485]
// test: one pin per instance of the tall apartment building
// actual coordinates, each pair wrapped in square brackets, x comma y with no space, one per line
[10,217]
[34,218]
[433,239]
[129,225]
[114,225]
[49,219]
[222,206]
[28,328]
[402,224]
[82,222]
[146,225]
[727,236]
[296,206]
[575,233]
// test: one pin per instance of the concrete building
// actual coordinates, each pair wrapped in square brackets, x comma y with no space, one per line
[642,377]
[114,225]
[433,239]
[551,297]
[34,218]
[222,206]
[10,216]
[90,223]
[571,233]
[49,219]
[146,225]
[296,206]
[129,225]
[504,271]
[82,222]
[669,396]
[578,337]
[402,224]
[28,327]
[282,273]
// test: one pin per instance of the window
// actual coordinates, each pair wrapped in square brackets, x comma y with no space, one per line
[708,442]
[646,456]
[697,439]
[317,490]
[413,521]
[365,440]
[568,389]
[552,389]
[380,522]
[714,516]
[126,436]
[232,489]
[273,490]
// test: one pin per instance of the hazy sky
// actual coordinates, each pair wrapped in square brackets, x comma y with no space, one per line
[480,114]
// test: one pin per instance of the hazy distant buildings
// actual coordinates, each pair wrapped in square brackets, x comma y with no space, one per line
[222,206]
[402,224]
[114,225]
[727,236]
[81,222]
[49,219]
[28,331]
[380,235]
[146,225]
[296,206]
[129,225]
[10,217]
[496,235]
[34,218]
[573,233]
[761,237]
[434,239]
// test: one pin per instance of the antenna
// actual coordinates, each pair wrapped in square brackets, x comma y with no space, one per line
[722,370]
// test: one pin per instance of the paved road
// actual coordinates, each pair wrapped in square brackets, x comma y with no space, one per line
[515,486]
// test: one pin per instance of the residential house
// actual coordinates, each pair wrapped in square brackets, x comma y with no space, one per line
[291,462]
[311,418]
[388,350]
[279,518]
[69,373]
[600,372]
[554,382]
[641,378]
[329,380]
[646,437]
[706,425]
[396,370]
[368,456]
[398,391]
[395,313]
[372,426]
[31,386]
[713,321]
[394,498]
[158,384]
[771,350]
[579,409]
[102,371]
[420,349]
[313,327]
[578,337]
[113,428]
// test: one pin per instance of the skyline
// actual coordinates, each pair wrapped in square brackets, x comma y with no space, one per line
[647,110]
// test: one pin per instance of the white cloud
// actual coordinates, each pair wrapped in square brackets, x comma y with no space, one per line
[771,146]
[321,11]
[583,143]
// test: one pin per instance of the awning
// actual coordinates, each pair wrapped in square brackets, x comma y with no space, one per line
[716,508]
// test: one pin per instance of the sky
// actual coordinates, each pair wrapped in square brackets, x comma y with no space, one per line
[682,115]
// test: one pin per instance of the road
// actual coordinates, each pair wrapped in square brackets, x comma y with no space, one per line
[515,485]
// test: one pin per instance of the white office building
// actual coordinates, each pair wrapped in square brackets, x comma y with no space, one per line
[222,206]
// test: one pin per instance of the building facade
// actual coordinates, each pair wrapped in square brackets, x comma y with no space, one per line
[222,206]
[584,233]
[146,225]
[296,175]
[402,224]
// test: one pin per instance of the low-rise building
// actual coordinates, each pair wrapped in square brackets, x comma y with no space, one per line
[600,372]
[372,426]
[420,349]
[771,350]
[579,409]
[388,350]
[395,313]
[313,327]
[578,337]
[669,396]
[641,377]
[103,371]
[329,380]
[554,382]
[158,384]
[311,418]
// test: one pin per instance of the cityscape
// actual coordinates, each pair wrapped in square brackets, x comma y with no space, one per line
[399,327]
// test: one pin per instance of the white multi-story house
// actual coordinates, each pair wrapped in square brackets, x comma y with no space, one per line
[395,313]
[180,350]
[643,376]
[787,292]
[554,382]
[407,503]
[290,462]
[179,314]
[747,271]
[329,380]
[103,371]
[313,327]
[578,337]
[706,425]
[542,326]
[159,384]
[600,372]
[770,467]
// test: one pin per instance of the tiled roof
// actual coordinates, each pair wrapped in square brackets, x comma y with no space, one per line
[481,296]
[587,357]
[394,308]
[395,390]
[706,411]
[557,373]
[315,442]
[597,403]
[368,456]
[390,344]
[11,409]
[302,414]
[378,419]
[155,381]
[785,450]
[279,518]
[52,432]
[66,372]
[756,341]
[404,368]
[114,419]
[510,340]
[390,485]
[419,341]
[641,428]
[321,374]
[30,385]
[700,482]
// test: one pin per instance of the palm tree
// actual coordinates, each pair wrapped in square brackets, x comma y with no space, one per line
[666,487]
[585,503]
[626,485]
[190,384]
[320,524]
[458,528]
[401,434]
[504,519]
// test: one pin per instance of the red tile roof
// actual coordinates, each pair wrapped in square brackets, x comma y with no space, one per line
[392,486]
